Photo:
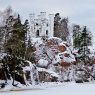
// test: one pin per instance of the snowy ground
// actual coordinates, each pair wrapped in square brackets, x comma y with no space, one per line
[57,89]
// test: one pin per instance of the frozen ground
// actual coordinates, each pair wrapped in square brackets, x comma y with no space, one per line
[57,89]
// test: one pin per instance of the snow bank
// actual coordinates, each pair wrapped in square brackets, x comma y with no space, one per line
[57,89]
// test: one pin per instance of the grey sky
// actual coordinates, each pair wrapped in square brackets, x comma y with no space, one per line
[80,12]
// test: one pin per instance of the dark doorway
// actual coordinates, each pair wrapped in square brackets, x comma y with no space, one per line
[46,32]
[37,33]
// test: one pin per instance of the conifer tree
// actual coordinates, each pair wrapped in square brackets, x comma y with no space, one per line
[61,27]
[76,36]
[15,46]
[29,52]
[5,68]
[26,28]
[85,42]
[56,25]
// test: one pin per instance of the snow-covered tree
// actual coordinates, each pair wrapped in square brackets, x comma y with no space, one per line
[85,42]
[76,36]
[61,29]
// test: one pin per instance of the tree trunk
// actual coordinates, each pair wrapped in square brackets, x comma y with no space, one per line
[13,78]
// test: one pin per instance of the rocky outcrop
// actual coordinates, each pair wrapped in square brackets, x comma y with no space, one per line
[54,50]
[51,54]
[62,48]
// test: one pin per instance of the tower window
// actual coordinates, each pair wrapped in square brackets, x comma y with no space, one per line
[47,25]
[36,23]
[46,32]
[37,33]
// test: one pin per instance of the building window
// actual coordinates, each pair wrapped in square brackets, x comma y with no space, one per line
[37,33]
[47,25]
[46,32]
[37,24]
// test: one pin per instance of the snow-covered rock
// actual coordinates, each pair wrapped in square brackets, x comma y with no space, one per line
[43,63]
[30,73]
[53,50]
[52,54]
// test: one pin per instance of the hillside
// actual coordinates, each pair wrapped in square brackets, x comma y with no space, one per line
[52,56]
[54,63]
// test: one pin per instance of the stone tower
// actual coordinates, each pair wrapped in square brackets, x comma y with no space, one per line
[41,26]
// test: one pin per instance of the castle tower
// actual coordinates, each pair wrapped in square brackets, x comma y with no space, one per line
[32,17]
[51,19]
[43,15]
[41,26]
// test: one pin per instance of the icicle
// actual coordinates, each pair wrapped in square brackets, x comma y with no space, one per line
[31,74]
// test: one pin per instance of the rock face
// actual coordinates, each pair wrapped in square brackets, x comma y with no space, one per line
[54,50]
[62,48]
[52,55]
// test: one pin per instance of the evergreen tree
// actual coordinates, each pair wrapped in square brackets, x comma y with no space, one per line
[15,45]
[56,25]
[26,28]
[12,65]
[76,36]
[1,39]
[5,68]
[64,31]
[85,42]
[61,27]
[29,52]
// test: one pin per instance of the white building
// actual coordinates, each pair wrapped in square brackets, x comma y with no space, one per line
[41,26]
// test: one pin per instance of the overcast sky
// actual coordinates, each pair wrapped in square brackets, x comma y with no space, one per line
[80,12]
